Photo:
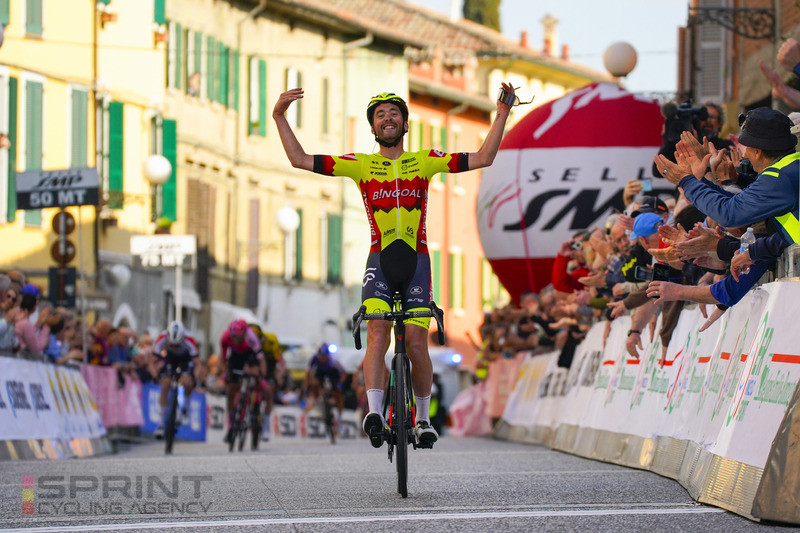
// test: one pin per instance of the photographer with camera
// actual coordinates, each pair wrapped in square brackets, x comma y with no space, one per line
[570,265]
[703,122]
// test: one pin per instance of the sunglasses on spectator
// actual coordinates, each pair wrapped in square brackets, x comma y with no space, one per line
[511,99]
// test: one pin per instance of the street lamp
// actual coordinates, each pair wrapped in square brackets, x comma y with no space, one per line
[288,221]
[157,170]
[619,59]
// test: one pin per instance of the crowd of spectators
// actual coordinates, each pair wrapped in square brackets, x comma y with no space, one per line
[664,250]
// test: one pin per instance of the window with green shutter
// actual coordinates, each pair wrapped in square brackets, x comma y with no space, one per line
[293,79]
[4,12]
[257,96]
[211,69]
[34,131]
[180,57]
[334,248]
[169,149]
[33,17]
[222,93]
[298,248]
[116,148]
[443,148]
[79,128]
[456,281]
[194,88]
[159,12]
[12,152]
[436,272]
[234,80]
[420,137]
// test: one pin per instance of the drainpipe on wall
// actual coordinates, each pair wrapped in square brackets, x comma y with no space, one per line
[352,45]
[233,204]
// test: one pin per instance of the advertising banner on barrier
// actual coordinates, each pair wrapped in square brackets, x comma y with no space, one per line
[196,409]
[77,411]
[42,401]
[120,404]
[286,422]
[290,422]
[726,388]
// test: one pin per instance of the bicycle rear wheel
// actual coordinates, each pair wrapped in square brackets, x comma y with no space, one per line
[236,422]
[172,418]
[400,428]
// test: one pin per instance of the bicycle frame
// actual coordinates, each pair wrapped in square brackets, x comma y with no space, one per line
[249,398]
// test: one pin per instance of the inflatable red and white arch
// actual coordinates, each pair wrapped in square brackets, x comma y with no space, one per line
[561,169]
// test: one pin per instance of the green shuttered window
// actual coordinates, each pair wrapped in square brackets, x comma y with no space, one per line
[12,152]
[298,248]
[34,132]
[116,155]
[169,191]
[334,248]
[79,128]
[33,17]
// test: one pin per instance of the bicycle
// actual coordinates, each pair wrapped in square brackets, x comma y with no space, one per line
[398,403]
[247,413]
[328,403]
[171,427]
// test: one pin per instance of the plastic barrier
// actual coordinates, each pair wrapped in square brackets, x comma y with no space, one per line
[194,430]
[47,411]
[286,422]
[119,404]
[706,418]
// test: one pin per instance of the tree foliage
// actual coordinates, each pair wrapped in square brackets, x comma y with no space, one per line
[486,12]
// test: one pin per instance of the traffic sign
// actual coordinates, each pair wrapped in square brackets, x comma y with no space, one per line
[63,223]
[164,250]
[62,251]
[37,189]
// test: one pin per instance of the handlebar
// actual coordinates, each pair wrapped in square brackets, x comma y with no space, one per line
[433,311]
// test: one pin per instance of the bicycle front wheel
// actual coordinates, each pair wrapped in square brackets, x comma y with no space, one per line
[172,419]
[400,428]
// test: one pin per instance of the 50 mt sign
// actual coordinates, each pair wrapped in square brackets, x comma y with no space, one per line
[38,189]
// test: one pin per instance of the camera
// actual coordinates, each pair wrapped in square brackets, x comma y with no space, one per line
[576,245]
[680,118]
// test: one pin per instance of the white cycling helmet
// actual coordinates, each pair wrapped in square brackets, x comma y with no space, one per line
[175,332]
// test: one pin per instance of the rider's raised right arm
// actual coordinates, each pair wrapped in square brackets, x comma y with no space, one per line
[294,151]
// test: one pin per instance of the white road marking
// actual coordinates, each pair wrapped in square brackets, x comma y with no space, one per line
[379,518]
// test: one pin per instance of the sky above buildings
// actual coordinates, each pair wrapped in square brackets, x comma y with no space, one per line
[590,26]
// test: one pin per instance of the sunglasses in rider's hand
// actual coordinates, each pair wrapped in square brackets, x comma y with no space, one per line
[510,98]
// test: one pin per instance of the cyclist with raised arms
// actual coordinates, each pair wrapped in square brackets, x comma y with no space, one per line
[177,349]
[240,350]
[394,187]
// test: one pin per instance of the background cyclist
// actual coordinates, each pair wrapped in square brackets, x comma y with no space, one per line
[177,349]
[324,365]
[276,371]
[394,185]
[240,349]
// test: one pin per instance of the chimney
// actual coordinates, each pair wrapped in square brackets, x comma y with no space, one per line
[550,34]
[565,52]
[523,39]
[455,10]
[437,64]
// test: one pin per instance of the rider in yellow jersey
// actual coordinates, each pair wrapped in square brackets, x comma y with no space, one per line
[394,187]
